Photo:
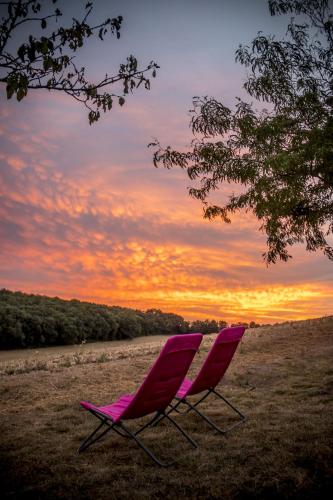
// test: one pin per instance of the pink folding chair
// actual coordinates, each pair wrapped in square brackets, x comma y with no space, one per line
[211,374]
[154,395]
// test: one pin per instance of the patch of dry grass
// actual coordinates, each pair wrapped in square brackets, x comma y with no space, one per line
[281,377]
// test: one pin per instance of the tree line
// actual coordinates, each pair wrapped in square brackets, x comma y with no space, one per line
[35,321]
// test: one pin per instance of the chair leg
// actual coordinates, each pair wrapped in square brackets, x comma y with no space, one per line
[204,417]
[199,401]
[174,408]
[156,418]
[162,416]
[229,404]
[187,436]
[91,439]
[145,448]
[208,420]
[124,431]
[240,414]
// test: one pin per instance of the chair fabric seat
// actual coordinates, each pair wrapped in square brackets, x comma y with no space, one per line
[115,410]
[184,388]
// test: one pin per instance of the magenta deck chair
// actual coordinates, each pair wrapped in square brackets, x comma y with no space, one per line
[153,396]
[210,375]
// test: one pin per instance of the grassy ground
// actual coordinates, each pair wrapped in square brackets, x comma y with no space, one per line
[281,377]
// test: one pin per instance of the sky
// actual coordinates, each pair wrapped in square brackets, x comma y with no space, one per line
[84,213]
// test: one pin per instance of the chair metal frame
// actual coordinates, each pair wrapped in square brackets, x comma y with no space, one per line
[153,397]
[194,408]
[227,336]
[120,428]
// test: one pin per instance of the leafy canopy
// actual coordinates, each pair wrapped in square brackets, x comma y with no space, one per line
[281,157]
[48,62]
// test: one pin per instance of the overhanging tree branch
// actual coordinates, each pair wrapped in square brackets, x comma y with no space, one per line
[46,62]
[282,159]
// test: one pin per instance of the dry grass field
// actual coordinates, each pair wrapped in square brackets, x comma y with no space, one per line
[281,377]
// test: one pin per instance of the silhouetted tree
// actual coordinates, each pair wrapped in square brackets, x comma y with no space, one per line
[241,323]
[204,326]
[281,157]
[48,62]
[253,324]
[222,324]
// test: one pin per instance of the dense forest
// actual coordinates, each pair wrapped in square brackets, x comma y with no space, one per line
[36,320]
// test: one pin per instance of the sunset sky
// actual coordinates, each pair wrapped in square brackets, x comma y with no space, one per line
[83,212]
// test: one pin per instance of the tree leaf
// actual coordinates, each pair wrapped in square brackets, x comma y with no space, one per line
[20,94]
[10,91]
[21,52]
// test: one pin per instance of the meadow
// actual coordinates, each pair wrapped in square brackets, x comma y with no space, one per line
[281,378]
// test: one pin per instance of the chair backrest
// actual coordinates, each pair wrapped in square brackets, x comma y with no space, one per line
[165,377]
[218,359]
